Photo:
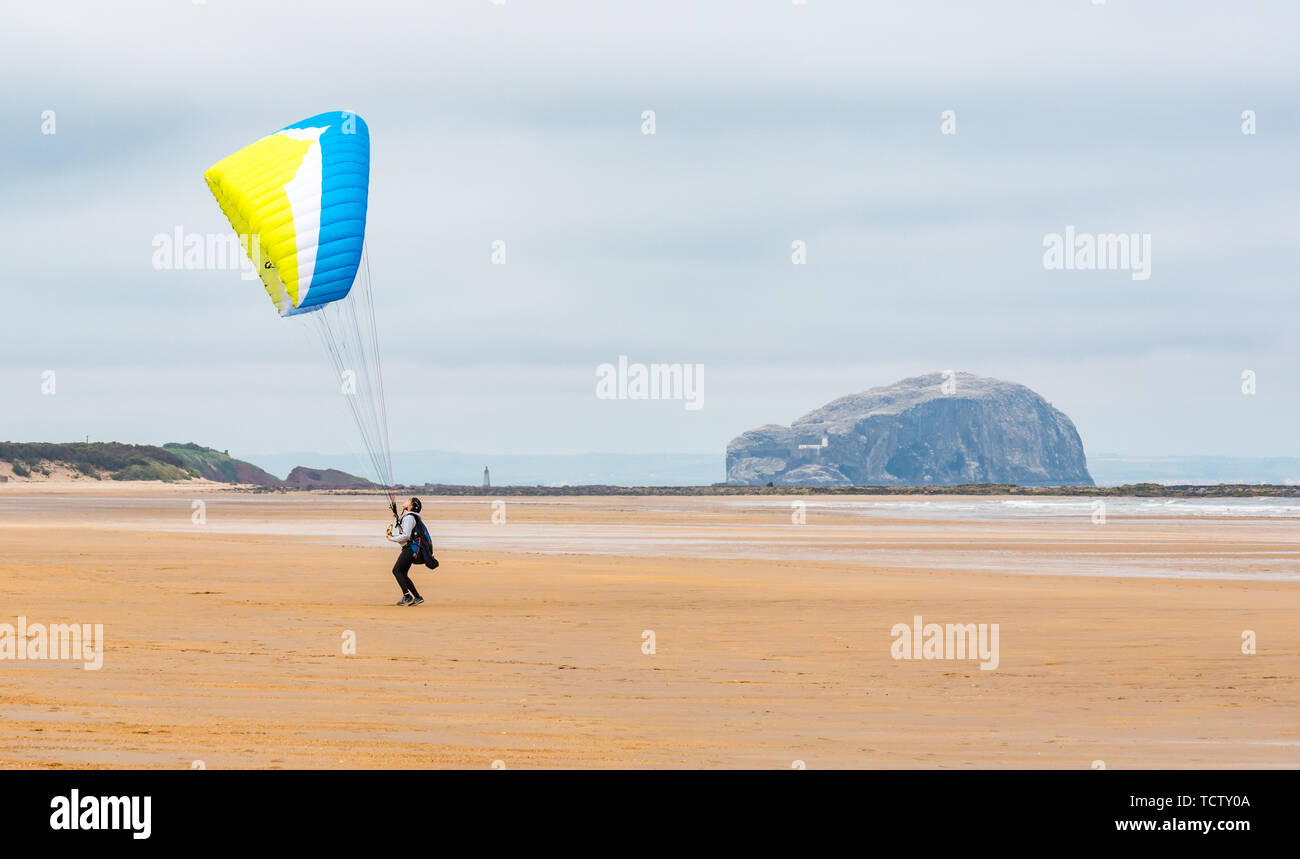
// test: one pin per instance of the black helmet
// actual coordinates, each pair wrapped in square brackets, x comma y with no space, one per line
[416,505]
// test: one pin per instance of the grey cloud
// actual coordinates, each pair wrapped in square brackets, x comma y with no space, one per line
[775,123]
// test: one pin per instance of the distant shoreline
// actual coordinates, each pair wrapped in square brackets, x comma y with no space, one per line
[1140,490]
[64,484]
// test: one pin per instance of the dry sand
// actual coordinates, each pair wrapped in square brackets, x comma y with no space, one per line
[224,639]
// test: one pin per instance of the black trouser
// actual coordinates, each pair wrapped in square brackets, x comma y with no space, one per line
[401,572]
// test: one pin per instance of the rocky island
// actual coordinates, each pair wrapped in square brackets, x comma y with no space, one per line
[942,429]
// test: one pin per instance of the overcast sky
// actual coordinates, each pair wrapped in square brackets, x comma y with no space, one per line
[775,122]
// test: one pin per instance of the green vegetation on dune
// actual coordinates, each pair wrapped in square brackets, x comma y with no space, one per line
[154,471]
[220,465]
[97,460]
[171,462]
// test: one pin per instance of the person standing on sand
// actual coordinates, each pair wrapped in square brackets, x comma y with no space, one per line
[407,528]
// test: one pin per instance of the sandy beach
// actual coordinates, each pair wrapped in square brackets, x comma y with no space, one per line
[224,637]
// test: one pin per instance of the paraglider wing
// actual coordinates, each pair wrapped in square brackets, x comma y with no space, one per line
[297,199]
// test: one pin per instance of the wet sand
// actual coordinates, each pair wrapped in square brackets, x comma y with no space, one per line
[1120,642]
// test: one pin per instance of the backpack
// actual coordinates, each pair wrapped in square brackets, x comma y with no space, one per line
[422,544]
